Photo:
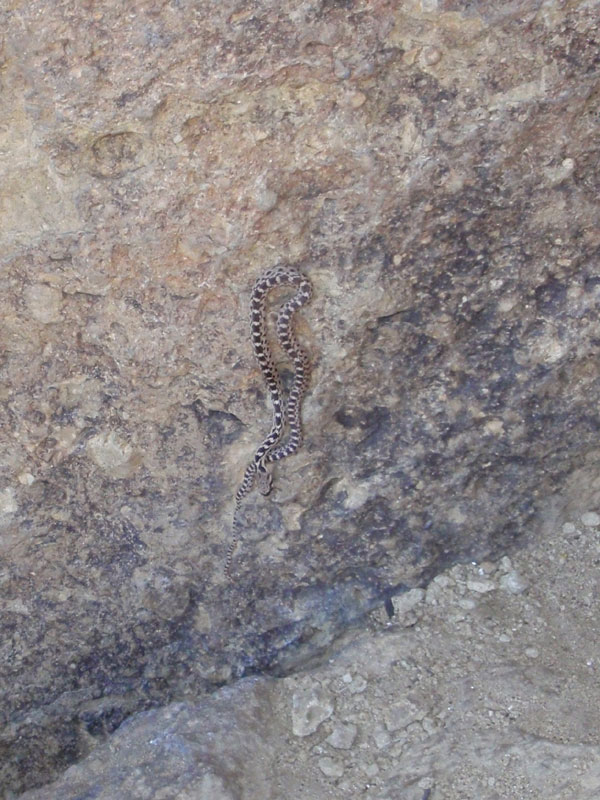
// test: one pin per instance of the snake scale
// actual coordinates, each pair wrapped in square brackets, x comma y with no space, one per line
[288,420]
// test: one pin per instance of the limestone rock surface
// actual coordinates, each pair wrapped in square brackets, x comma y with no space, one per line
[433,166]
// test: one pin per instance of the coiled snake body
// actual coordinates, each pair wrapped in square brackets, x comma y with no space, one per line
[271,450]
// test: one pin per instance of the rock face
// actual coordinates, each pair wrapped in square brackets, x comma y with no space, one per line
[433,167]
[462,693]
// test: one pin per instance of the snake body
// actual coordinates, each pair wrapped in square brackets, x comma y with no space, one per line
[271,449]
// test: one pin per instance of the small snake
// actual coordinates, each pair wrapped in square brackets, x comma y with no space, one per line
[271,449]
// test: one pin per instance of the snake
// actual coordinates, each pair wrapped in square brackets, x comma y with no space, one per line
[285,419]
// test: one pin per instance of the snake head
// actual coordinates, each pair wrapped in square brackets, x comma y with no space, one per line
[264,481]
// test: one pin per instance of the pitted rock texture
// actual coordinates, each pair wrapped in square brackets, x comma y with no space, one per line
[433,167]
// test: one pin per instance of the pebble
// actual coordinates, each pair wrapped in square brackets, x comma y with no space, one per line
[113,454]
[342,736]
[357,99]
[265,199]
[311,706]
[480,586]
[590,519]
[330,768]
[513,583]
[382,737]
[401,714]
[430,56]
[358,685]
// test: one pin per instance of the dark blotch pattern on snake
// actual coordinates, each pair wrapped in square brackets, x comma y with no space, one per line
[283,420]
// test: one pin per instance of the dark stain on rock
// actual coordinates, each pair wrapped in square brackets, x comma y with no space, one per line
[373,252]
[345,418]
[551,296]
[372,424]
[118,547]
[219,428]
[104,721]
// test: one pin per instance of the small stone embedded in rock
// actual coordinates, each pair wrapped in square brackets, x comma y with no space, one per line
[430,56]
[480,586]
[311,705]
[265,198]
[342,736]
[381,737]
[331,768]
[590,519]
[113,455]
[401,714]
[356,99]
[512,582]
[358,685]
